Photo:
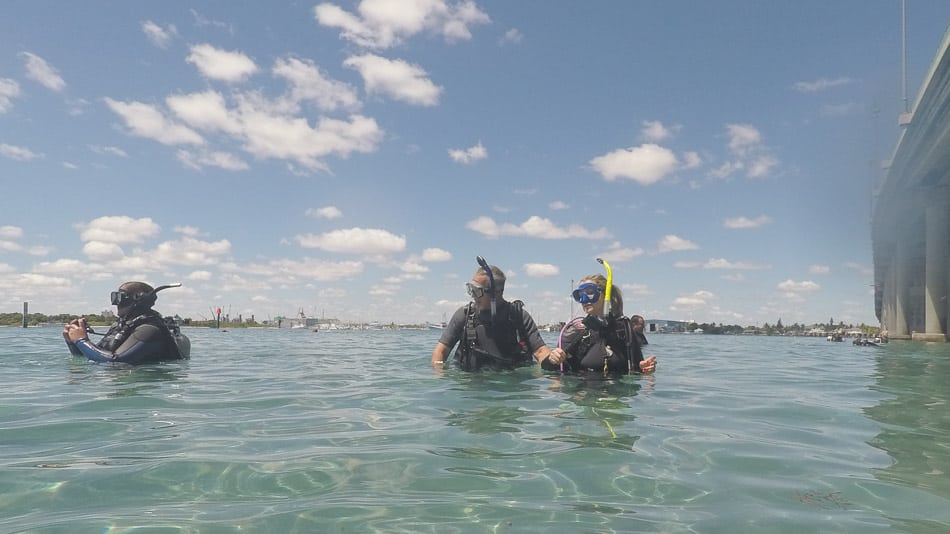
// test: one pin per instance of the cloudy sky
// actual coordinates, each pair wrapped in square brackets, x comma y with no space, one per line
[351,159]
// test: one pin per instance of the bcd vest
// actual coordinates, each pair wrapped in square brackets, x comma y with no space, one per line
[498,346]
[179,346]
[617,335]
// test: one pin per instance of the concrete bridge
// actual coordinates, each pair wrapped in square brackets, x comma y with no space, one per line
[910,217]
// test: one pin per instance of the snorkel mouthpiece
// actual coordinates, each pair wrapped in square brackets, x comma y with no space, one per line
[491,284]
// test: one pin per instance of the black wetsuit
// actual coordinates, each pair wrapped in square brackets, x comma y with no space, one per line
[509,343]
[608,350]
[145,338]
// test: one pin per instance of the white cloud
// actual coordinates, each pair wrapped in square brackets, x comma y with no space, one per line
[745,143]
[271,136]
[692,301]
[798,287]
[436,255]
[199,276]
[737,223]
[691,160]
[558,205]
[308,84]
[187,230]
[413,267]
[103,251]
[110,150]
[202,21]
[819,269]
[326,212]
[62,266]
[355,241]
[395,79]
[266,130]
[118,229]
[535,226]
[386,23]
[469,155]
[18,153]
[742,137]
[821,84]
[540,270]
[11,232]
[38,70]
[618,253]
[720,263]
[655,131]
[512,36]
[190,251]
[645,164]
[9,90]
[726,170]
[222,160]
[147,121]
[284,270]
[205,111]
[671,243]
[761,166]
[159,36]
[223,65]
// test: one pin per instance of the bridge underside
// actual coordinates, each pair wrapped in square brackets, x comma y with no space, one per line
[910,220]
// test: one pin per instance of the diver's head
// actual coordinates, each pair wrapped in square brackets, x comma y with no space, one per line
[590,294]
[479,287]
[133,297]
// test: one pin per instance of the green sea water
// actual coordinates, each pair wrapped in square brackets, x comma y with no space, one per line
[353,431]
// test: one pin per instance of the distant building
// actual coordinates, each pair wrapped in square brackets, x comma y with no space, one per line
[663,326]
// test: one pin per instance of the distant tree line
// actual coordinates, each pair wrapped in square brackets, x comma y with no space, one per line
[778,329]
[38,319]
[105,318]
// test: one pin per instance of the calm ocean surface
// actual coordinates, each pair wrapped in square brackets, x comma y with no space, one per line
[353,431]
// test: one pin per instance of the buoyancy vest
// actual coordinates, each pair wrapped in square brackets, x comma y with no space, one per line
[608,348]
[179,346]
[496,346]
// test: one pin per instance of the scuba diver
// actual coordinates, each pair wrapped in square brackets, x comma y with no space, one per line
[492,333]
[604,341]
[140,336]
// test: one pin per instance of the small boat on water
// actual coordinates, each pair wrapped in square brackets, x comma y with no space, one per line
[436,326]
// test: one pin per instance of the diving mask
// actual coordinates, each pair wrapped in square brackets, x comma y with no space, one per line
[475,291]
[586,293]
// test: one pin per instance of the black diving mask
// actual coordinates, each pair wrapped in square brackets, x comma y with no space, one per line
[121,298]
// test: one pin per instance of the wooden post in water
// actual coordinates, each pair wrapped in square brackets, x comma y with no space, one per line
[26,311]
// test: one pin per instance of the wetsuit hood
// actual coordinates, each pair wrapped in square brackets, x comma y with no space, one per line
[133,298]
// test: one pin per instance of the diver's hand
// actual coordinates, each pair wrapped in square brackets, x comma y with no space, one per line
[648,365]
[76,330]
[557,355]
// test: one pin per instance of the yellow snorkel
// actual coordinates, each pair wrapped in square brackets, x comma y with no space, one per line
[610,284]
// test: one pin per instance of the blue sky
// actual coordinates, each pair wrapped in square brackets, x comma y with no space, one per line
[351,159]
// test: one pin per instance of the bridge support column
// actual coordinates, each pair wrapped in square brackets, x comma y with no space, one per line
[900,292]
[889,300]
[935,293]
